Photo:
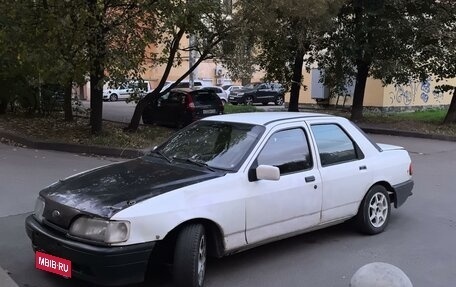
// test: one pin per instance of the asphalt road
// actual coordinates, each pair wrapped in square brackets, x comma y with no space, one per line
[121,111]
[419,239]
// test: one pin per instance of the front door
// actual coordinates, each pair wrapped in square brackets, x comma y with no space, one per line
[293,203]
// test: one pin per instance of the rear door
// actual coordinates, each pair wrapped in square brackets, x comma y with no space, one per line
[345,172]
[167,108]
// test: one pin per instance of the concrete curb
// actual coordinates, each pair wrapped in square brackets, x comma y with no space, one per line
[73,148]
[5,279]
[373,130]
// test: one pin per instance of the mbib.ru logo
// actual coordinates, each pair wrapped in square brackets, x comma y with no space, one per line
[53,264]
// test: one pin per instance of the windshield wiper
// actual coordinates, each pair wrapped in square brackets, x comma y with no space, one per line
[163,155]
[196,162]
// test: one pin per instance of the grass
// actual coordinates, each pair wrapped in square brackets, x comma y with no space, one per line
[54,128]
[429,116]
[78,132]
[428,122]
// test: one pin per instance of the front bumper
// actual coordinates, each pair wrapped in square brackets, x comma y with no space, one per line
[402,191]
[103,265]
[236,99]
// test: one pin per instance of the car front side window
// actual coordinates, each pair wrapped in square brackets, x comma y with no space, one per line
[334,145]
[288,150]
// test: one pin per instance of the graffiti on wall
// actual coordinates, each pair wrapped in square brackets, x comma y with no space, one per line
[405,94]
[415,91]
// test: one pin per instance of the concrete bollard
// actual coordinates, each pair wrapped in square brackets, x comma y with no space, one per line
[379,274]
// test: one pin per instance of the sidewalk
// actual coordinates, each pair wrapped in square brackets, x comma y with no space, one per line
[5,279]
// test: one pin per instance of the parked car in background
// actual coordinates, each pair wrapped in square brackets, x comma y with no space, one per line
[222,185]
[181,107]
[230,88]
[219,91]
[126,90]
[263,93]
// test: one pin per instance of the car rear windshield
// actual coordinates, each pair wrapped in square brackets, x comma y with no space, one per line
[205,97]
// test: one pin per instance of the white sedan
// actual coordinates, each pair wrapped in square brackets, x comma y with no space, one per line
[219,186]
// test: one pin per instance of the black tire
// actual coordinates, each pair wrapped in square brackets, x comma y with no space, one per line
[147,121]
[234,104]
[113,98]
[249,101]
[190,255]
[375,211]
[279,100]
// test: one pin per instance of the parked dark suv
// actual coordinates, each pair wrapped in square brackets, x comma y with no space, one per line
[258,93]
[181,107]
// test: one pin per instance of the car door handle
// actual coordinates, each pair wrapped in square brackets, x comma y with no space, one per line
[363,167]
[310,178]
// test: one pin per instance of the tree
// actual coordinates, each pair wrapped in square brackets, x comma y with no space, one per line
[206,19]
[436,56]
[278,34]
[118,33]
[371,38]
[63,59]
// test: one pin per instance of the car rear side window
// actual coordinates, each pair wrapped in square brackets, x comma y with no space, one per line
[334,145]
[288,150]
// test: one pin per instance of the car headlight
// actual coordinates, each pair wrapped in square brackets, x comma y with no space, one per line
[101,230]
[240,94]
[39,209]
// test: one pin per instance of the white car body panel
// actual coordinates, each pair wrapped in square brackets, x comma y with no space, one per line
[251,213]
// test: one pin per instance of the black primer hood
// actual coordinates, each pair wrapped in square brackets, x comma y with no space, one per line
[107,190]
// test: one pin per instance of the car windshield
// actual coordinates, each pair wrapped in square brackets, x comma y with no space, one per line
[219,145]
[251,86]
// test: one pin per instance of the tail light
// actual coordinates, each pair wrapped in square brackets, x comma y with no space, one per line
[221,107]
[410,171]
[189,104]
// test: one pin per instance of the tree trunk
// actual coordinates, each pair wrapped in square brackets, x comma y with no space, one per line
[96,103]
[360,87]
[3,105]
[67,109]
[136,118]
[451,114]
[296,81]
[97,54]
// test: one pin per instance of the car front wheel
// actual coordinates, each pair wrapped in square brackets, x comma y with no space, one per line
[190,256]
[374,212]
[279,101]
[113,98]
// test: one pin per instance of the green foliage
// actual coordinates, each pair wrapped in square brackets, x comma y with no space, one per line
[272,34]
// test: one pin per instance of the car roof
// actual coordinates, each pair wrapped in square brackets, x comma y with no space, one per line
[265,118]
[218,87]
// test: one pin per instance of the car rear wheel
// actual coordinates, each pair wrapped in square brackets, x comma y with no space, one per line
[279,100]
[190,254]
[249,101]
[374,212]
[113,98]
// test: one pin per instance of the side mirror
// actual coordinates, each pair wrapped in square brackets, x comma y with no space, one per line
[267,172]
